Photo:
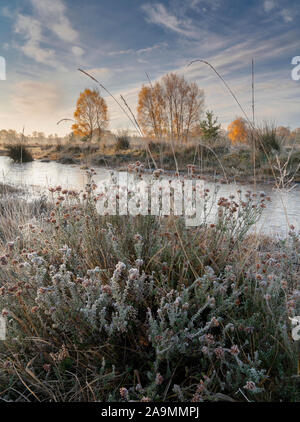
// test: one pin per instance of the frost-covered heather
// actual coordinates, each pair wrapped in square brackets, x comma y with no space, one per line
[143,308]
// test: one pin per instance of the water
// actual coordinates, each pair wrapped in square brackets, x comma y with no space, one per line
[284,209]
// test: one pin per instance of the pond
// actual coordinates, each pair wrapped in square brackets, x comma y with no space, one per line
[37,176]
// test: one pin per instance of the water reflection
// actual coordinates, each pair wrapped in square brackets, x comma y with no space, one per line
[283,210]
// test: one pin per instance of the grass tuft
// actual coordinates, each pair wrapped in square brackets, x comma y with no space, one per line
[19,153]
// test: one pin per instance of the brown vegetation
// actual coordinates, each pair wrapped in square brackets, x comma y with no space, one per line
[170,109]
[90,114]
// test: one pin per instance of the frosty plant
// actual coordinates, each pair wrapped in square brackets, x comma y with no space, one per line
[141,308]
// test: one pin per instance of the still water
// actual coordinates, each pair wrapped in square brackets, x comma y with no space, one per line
[37,176]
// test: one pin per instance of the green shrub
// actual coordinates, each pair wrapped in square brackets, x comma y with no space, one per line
[157,146]
[19,153]
[210,128]
[266,139]
[122,143]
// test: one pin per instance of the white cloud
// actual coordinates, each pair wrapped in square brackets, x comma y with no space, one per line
[140,51]
[52,14]
[286,15]
[158,14]
[77,51]
[36,98]
[31,30]
[100,72]
[48,14]
[105,73]
[152,48]
[269,5]
[201,5]
[120,52]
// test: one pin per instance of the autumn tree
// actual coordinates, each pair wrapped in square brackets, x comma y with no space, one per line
[296,134]
[284,134]
[170,108]
[151,111]
[237,131]
[90,114]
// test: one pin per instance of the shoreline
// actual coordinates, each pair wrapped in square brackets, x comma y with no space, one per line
[207,174]
[224,164]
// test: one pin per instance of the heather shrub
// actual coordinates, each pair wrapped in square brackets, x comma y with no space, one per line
[142,308]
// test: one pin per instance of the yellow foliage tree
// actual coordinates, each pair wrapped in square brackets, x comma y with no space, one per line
[90,114]
[151,111]
[237,131]
[170,108]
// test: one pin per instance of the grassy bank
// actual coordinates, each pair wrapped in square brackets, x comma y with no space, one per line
[8,189]
[143,308]
[222,160]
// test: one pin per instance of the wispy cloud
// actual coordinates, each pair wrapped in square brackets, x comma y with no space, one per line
[77,51]
[101,72]
[53,14]
[139,51]
[272,6]
[36,98]
[47,15]
[286,15]
[31,30]
[269,5]
[158,14]
[204,4]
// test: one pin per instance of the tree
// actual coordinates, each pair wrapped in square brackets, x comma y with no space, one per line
[170,108]
[296,134]
[38,136]
[283,133]
[90,114]
[209,127]
[3,134]
[237,131]
[151,111]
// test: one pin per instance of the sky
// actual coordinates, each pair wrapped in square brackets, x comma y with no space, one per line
[44,42]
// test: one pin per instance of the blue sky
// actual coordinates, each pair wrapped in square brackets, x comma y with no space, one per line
[45,41]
